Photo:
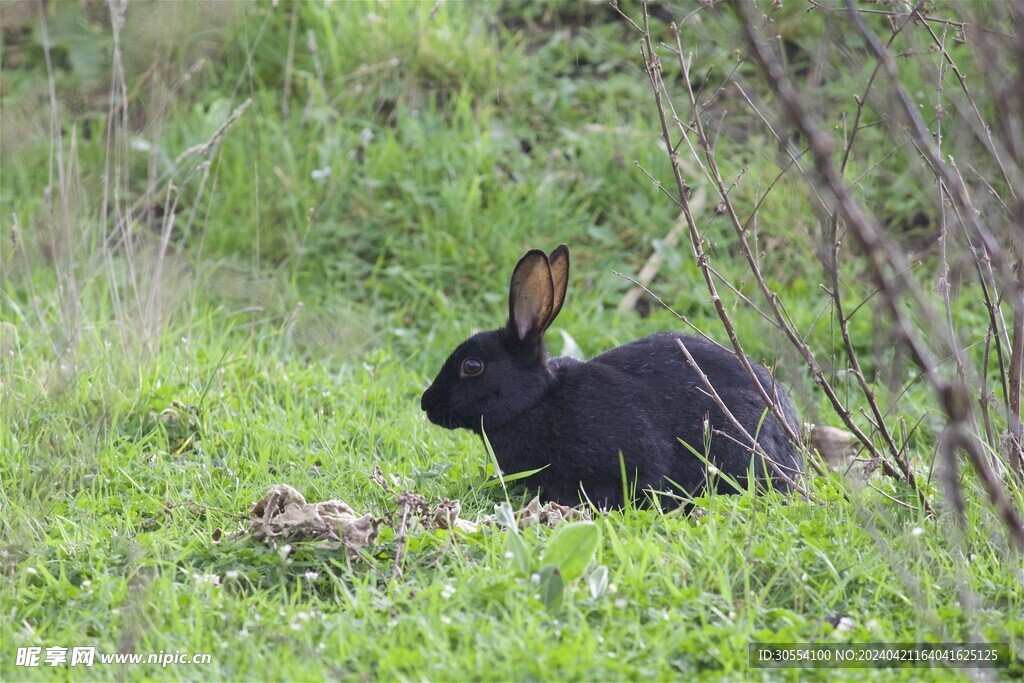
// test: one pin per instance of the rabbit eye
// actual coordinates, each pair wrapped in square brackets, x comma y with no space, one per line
[471,367]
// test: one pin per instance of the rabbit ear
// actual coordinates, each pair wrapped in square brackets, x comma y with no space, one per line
[530,296]
[559,262]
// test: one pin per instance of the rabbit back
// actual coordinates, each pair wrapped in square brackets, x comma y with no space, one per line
[643,399]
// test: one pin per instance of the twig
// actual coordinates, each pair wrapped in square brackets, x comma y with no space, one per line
[833,272]
[660,302]
[957,188]
[776,467]
[968,215]
[1014,452]
[879,257]
[773,300]
[650,269]
[653,68]
[819,470]
[986,134]
[817,5]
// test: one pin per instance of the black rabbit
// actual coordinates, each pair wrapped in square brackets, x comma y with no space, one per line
[573,418]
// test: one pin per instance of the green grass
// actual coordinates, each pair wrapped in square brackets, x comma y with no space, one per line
[298,316]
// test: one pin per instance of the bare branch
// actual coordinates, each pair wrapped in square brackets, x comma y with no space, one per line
[882,258]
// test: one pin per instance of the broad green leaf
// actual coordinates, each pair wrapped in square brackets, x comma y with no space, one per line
[521,560]
[504,516]
[552,588]
[597,581]
[571,548]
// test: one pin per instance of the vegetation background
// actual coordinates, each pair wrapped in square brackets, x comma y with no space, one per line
[239,238]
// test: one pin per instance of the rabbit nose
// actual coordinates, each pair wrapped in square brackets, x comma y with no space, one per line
[427,399]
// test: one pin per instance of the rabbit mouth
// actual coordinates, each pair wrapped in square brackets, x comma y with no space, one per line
[443,418]
[440,414]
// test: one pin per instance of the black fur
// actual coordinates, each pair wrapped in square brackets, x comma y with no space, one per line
[639,399]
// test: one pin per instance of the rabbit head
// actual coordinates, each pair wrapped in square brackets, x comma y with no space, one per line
[494,376]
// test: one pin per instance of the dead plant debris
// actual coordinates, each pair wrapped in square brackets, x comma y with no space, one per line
[549,514]
[284,515]
[446,516]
